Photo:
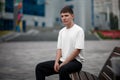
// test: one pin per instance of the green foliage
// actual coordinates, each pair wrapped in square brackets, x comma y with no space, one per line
[1,5]
[113,21]
[102,36]
[2,33]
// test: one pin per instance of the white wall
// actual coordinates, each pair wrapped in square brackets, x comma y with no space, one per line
[30,20]
[49,13]
[83,13]
[79,13]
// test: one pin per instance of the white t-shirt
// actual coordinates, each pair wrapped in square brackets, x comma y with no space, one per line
[69,40]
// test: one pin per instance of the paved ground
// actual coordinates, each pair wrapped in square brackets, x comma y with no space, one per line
[18,59]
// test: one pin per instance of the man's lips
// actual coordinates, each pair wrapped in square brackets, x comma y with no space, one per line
[65,21]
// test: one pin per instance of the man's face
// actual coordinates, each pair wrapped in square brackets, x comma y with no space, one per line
[67,18]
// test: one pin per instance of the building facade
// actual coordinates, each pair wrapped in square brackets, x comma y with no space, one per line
[45,13]
[102,10]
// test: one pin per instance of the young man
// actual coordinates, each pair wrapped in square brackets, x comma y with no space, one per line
[69,56]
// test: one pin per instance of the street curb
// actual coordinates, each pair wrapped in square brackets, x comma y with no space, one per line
[8,36]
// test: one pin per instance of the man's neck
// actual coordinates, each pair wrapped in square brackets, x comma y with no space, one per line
[69,26]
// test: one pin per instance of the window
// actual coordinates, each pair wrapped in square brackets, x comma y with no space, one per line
[57,19]
[68,0]
[9,6]
[6,24]
[71,6]
[34,7]
[30,7]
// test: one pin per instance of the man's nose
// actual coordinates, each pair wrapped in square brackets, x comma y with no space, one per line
[64,18]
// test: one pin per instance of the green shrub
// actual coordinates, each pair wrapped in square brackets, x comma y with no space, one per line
[1,5]
[113,21]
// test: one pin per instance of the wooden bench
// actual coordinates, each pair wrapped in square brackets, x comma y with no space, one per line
[106,73]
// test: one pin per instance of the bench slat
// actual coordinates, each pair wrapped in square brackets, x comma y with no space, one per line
[75,76]
[87,76]
[82,75]
[110,68]
[106,76]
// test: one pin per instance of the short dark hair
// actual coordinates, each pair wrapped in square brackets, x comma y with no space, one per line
[67,9]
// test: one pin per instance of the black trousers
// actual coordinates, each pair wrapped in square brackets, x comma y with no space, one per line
[47,68]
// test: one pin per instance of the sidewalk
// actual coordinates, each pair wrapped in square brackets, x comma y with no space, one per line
[18,59]
[8,36]
[37,35]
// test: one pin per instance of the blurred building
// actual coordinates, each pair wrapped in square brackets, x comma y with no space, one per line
[45,13]
[102,9]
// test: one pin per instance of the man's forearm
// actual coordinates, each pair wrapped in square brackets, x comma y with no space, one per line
[58,55]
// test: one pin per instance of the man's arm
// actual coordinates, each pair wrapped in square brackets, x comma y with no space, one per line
[71,57]
[58,55]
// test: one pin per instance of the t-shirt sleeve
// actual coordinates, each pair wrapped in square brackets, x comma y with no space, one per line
[79,44]
[59,42]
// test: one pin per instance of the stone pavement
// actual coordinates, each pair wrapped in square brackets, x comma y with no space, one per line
[18,59]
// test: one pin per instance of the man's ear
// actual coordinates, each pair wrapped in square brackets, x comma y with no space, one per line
[73,16]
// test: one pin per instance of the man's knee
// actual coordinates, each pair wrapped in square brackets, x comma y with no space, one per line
[63,70]
[38,66]
[64,73]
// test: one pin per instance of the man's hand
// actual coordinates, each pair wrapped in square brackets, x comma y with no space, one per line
[56,66]
[58,56]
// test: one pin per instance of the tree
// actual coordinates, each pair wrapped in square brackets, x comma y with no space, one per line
[1,5]
[113,21]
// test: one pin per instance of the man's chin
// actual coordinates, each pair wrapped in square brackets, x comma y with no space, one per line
[65,24]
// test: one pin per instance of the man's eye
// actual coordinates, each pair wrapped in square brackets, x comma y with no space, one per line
[66,15]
